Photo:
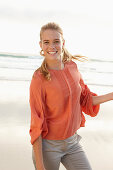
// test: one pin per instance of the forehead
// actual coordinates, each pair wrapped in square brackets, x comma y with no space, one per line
[50,34]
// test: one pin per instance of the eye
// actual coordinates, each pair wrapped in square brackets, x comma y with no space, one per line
[46,42]
[57,41]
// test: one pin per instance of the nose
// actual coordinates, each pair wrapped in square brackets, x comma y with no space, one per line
[51,45]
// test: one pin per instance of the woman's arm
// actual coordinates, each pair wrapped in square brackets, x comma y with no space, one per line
[37,147]
[103,98]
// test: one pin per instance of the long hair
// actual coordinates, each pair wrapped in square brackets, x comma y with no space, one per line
[66,55]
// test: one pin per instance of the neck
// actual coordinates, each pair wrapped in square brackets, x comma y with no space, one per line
[55,65]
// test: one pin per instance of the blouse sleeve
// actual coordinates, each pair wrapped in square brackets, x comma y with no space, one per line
[37,110]
[86,100]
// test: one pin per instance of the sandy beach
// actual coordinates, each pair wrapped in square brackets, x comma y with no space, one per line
[15,147]
[88,31]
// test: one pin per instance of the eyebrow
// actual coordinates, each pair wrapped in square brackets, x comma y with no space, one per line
[48,40]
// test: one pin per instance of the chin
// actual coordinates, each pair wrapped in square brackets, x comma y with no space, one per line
[54,57]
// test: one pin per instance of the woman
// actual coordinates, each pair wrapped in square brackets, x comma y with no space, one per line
[58,96]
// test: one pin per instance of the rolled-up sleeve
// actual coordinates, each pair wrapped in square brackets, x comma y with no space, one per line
[86,100]
[36,100]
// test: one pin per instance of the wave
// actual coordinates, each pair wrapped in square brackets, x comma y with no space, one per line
[12,55]
[96,84]
[18,67]
[14,79]
[31,56]
[101,60]
[28,80]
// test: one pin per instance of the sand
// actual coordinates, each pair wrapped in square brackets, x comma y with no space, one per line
[15,147]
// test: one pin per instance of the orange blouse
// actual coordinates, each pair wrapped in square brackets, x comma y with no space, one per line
[57,105]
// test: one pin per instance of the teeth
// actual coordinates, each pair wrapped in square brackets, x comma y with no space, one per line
[52,52]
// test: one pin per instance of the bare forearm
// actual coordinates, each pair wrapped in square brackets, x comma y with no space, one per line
[37,147]
[103,98]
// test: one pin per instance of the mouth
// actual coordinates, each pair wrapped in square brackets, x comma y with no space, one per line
[52,52]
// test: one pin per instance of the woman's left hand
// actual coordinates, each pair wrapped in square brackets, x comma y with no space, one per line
[112,96]
[102,98]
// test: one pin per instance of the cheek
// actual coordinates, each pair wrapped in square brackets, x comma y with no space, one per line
[59,47]
[44,48]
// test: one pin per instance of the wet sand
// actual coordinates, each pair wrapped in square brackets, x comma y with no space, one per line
[15,147]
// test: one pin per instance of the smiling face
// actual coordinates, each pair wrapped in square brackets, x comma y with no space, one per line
[51,43]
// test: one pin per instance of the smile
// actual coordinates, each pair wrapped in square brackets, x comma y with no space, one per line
[52,52]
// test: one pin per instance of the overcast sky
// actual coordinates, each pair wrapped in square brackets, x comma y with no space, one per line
[94,7]
[87,24]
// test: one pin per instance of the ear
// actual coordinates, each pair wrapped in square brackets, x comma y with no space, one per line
[40,43]
[63,42]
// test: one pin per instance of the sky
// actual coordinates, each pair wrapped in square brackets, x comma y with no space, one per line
[87,25]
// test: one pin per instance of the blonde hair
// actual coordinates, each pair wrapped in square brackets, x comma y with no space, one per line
[66,55]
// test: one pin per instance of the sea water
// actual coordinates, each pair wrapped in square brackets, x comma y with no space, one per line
[16,73]
[96,72]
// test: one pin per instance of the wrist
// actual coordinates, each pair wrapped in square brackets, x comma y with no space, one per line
[41,167]
[111,96]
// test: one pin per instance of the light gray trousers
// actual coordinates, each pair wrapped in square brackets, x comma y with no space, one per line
[69,152]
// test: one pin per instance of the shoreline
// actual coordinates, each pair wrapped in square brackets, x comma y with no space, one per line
[15,145]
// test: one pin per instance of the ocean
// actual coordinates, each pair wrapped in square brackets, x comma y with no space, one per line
[15,67]
[15,75]
[85,31]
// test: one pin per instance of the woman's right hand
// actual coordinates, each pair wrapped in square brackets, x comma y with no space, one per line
[37,148]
